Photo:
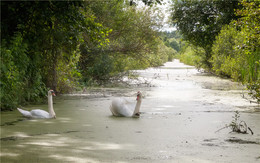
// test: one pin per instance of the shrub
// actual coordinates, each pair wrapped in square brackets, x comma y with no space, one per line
[18,86]
[191,55]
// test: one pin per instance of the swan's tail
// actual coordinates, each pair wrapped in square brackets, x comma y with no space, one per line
[24,112]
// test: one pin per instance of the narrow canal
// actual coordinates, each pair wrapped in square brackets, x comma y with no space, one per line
[181,111]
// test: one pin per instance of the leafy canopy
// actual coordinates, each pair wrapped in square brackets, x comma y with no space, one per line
[200,21]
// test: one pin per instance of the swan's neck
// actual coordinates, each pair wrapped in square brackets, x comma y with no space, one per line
[137,106]
[50,106]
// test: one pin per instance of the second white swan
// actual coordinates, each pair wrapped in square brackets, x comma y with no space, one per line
[125,108]
[38,113]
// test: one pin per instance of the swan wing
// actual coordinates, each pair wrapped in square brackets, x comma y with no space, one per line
[38,113]
[122,107]
[127,110]
[25,113]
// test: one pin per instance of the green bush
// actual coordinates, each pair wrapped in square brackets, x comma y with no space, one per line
[17,84]
[232,57]
[227,59]
[191,56]
[67,74]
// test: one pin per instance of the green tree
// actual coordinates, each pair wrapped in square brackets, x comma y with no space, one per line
[133,41]
[146,2]
[227,58]
[200,21]
[14,64]
[45,37]
[236,51]
[50,29]
[249,24]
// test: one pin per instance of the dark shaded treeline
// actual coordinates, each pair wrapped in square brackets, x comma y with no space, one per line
[63,45]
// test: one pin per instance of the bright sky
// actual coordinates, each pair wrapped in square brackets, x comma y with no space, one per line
[166,5]
[165,8]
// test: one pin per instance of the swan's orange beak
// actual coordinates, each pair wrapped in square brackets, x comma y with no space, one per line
[52,92]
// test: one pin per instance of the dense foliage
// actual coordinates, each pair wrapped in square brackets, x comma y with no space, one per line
[35,38]
[200,21]
[236,51]
[172,39]
[234,47]
[146,2]
[61,45]
[133,42]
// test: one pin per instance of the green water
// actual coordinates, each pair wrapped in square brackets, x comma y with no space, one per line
[180,112]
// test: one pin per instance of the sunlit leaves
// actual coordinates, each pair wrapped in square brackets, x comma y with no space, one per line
[236,51]
[249,23]
[127,41]
[201,21]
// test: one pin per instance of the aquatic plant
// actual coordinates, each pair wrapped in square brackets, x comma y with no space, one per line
[237,125]
[254,91]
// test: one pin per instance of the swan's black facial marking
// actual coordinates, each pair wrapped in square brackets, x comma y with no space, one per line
[52,92]
[137,114]
[138,95]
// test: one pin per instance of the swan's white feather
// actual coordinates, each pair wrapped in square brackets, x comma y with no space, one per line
[25,113]
[38,113]
[122,107]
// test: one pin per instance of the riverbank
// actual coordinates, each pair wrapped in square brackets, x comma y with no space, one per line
[181,111]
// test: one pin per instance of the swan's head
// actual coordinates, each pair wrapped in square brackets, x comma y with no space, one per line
[139,95]
[51,92]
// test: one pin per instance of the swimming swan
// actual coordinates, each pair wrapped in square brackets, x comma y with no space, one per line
[38,113]
[125,108]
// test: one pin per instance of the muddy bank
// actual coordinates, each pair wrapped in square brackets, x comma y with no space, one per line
[181,111]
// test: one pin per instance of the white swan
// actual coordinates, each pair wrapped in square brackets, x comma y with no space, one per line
[38,113]
[125,108]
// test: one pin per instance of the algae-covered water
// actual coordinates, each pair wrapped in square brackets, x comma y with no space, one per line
[181,111]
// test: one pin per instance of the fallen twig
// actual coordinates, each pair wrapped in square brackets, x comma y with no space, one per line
[250,130]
